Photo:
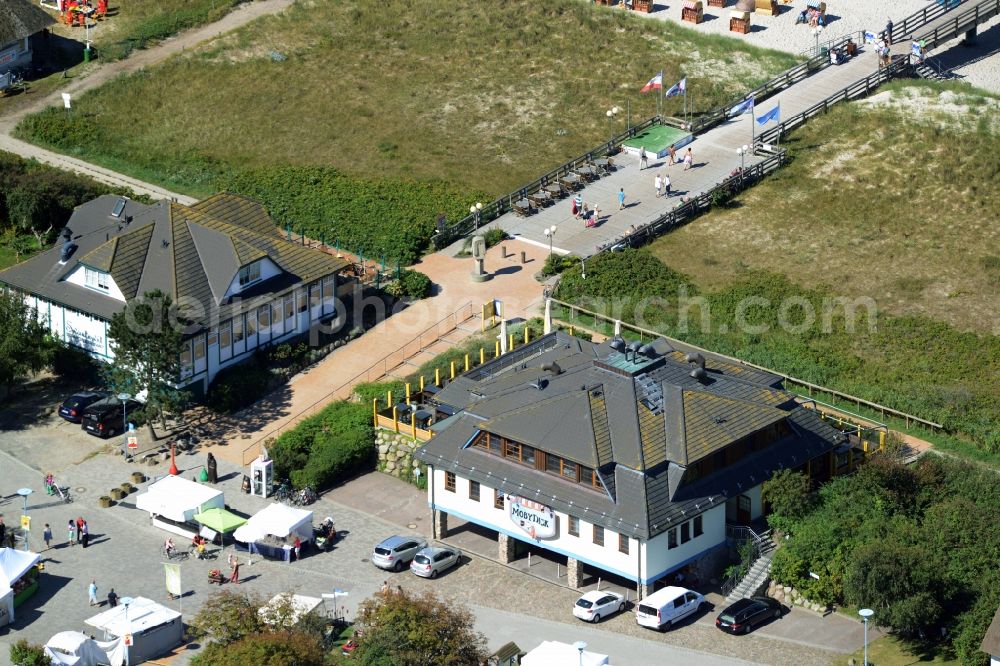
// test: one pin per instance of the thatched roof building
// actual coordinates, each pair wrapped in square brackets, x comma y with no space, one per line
[20,19]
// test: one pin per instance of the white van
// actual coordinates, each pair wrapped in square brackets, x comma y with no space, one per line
[666,607]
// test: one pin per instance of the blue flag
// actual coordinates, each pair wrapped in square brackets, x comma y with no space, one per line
[773,114]
[743,107]
[679,88]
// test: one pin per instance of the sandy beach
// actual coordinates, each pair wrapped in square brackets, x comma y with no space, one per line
[979,65]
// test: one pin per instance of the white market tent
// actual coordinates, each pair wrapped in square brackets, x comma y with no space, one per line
[178,500]
[72,648]
[276,520]
[155,628]
[298,607]
[13,565]
[554,653]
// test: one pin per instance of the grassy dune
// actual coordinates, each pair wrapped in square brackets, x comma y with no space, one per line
[894,198]
[484,96]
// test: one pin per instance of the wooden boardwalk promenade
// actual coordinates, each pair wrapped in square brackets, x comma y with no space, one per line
[715,151]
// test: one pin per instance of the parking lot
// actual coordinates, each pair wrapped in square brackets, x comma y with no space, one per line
[507,602]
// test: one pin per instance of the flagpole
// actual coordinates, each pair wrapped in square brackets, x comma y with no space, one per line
[753,119]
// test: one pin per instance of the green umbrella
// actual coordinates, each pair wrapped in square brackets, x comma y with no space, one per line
[220,520]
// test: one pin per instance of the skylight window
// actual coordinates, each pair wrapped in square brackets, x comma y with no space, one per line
[119,208]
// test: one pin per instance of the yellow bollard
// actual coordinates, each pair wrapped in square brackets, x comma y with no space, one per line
[407,392]
[482,355]
[571,330]
[421,384]
[482,327]
[881,440]
[510,342]
[413,425]
[496,352]
[388,398]
[452,370]
[527,334]
[437,376]
[395,419]
[466,362]
[375,411]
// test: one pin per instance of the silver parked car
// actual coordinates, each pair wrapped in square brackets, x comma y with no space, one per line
[429,562]
[393,553]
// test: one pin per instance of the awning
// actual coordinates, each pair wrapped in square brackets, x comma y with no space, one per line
[220,520]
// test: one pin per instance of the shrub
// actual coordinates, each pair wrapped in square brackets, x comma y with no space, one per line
[239,386]
[23,653]
[495,236]
[70,362]
[323,449]
[415,284]
[555,263]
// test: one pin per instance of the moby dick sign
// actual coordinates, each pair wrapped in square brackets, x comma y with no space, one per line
[536,519]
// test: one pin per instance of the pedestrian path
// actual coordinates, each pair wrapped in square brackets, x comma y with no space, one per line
[361,360]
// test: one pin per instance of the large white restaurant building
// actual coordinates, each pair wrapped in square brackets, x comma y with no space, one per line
[626,459]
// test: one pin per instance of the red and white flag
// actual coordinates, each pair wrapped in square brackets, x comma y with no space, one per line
[655,82]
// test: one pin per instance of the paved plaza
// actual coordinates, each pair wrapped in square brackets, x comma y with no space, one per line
[508,604]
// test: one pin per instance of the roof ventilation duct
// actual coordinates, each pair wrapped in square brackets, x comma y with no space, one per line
[699,374]
[68,246]
[695,357]
[618,344]
[552,368]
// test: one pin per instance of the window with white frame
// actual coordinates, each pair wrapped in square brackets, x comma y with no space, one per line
[250,273]
[95,279]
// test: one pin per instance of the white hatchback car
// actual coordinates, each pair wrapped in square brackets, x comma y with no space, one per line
[596,604]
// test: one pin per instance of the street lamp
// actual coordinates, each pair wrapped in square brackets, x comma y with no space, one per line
[123,397]
[476,209]
[866,613]
[742,152]
[817,31]
[549,233]
[128,627]
[611,114]
[23,492]
[580,647]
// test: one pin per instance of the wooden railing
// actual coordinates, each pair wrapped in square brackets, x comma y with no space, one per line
[469,223]
[962,23]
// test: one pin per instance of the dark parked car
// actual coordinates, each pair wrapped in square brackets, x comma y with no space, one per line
[104,418]
[72,408]
[745,614]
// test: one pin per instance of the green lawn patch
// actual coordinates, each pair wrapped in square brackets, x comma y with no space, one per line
[346,114]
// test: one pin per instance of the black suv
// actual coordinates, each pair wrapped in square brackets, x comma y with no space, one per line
[746,614]
[104,418]
[72,408]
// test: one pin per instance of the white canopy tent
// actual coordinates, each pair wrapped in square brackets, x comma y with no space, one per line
[155,628]
[298,606]
[554,653]
[13,565]
[72,648]
[276,520]
[178,500]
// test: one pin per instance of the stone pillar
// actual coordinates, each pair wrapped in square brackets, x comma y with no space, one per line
[440,524]
[505,548]
[574,573]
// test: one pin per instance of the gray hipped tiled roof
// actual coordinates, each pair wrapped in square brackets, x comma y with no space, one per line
[641,422]
[20,19]
[183,251]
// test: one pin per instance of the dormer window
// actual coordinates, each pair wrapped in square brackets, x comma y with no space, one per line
[250,274]
[96,279]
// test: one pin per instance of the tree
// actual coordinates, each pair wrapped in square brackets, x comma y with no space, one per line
[282,648]
[25,344]
[147,337]
[228,617]
[400,628]
[788,495]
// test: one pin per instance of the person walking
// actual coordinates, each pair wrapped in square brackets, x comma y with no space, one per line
[658,183]
[47,536]
[297,546]
[234,575]
[888,32]
[666,186]
[79,528]
[577,205]
[688,159]
[643,160]
[71,533]
[621,198]
[112,598]
[92,593]
[85,534]
[671,154]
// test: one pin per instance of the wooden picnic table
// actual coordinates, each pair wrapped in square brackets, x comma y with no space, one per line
[554,189]
[586,172]
[570,181]
[604,164]
[522,207]
[540,198]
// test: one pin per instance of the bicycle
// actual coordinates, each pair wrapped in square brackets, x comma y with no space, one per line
[305,497]
[284,493]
